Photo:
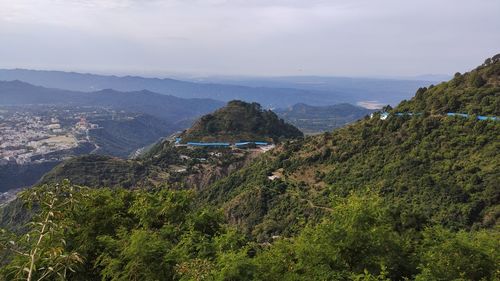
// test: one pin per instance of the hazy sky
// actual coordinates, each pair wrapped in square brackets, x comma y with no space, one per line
[253,37]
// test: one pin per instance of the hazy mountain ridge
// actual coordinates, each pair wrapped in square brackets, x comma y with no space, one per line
[270,92]
[162,106]
[348,89]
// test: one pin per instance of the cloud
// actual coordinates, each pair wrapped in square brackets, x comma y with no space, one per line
[273,37]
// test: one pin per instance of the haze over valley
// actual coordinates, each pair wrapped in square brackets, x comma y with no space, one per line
[275,92]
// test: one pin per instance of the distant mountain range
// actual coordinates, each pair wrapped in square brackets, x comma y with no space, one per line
[179,112]
[269,92]
[165,107]
[354,90]
[157,115]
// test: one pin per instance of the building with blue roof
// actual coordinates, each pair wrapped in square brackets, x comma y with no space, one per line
[209,144]
[479,117]
[492,118]
[248,143]
[457,114]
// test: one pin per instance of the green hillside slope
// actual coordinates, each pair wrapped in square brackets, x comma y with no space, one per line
[97,170]
[432,168]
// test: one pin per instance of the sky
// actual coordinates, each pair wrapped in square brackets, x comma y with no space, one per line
[369,38]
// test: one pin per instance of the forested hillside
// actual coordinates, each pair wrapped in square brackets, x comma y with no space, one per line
[413,196]
[240,121]
[432,167]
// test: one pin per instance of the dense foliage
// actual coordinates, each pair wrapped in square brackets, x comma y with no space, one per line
[240,121]
[97,170]
[119,234]
[476,92]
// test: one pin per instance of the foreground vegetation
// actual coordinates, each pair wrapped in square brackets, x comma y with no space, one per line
[118,234]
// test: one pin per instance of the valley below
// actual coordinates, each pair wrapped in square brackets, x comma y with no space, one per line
[34,139]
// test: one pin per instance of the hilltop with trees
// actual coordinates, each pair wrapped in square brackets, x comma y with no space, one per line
[240,121]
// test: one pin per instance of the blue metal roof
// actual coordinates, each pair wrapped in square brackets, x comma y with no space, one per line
[208,143]
[465,115]
[487,118]
[250,142]
[457,114]
[408,113]
[480,117]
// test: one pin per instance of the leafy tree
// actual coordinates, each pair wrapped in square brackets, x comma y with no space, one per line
[42,252]
[357,239]
[476,79]
[446,255]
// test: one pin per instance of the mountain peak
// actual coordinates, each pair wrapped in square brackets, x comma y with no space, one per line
[240,121]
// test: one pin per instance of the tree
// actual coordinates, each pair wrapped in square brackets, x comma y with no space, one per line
[476,80]
[41,253]
[357,240]
[446,255]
